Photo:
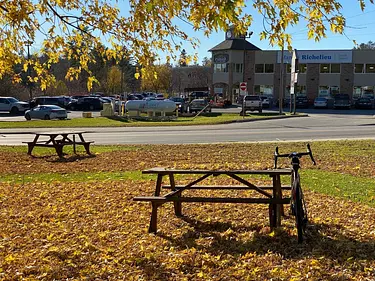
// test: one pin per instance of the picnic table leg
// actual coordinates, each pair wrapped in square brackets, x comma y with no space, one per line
[177,205]
[30,146]
[154,217]
[277,195]
[158,185]
[59,150]
[74,144]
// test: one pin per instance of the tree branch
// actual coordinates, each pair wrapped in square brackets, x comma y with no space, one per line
[62,18]
[4,9]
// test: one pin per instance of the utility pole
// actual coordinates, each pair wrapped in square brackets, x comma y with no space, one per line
[244,60]
[281,92]
[28,44]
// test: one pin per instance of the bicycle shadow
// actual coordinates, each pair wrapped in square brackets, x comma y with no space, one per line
[320,240]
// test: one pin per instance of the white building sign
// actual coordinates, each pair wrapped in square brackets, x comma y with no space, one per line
[321,56]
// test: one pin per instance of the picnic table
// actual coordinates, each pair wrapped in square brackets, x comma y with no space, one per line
[59,139]
[271,195]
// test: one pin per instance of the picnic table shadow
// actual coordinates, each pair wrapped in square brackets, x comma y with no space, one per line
[323,239]
[67,157]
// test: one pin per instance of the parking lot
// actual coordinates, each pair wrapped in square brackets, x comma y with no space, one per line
[5,116]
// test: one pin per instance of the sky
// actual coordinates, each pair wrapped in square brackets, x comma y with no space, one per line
[360,27]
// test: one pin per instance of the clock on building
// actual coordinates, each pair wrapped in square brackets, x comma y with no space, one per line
[228,35]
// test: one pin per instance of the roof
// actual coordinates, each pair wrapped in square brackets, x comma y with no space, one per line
[235,44]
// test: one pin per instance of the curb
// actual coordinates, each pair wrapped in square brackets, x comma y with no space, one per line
[268,118]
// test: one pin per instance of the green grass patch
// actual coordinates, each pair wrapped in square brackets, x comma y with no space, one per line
[208,119]
[74,177]
[345,186]
[42,151]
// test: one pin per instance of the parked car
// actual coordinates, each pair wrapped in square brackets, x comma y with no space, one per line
[46,112]
[321,102]
[13,105]
[266,102]
[342,101]
[197,105]
[364,103]
[252,103]
[159,97]
[180,102]
[302,101]
[59,101]
[86,103]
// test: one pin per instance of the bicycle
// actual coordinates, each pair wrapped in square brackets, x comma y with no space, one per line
[297,201]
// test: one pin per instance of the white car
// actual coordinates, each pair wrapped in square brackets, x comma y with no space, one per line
[46,112]
[13,105]
[321,102]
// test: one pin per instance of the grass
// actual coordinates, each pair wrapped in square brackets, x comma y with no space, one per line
[208,119]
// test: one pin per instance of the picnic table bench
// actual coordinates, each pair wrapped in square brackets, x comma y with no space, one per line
[274,199]
[58,140]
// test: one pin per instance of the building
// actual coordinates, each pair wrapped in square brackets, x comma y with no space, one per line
[321,72]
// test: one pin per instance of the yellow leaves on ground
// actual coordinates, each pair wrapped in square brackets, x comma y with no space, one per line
[93,230]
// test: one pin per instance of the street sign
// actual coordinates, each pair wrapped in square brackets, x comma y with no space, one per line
[243,87]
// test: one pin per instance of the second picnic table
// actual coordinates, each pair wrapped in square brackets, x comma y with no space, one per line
[274,199]
[59,139]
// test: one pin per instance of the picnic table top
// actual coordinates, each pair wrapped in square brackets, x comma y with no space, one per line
[164,171]
[62,132]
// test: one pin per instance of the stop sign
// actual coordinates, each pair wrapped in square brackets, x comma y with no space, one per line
[243,86]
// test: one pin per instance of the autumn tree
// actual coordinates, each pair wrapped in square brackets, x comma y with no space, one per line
[145,29]
[158,79]
[366,46]
[206,61]
[183,61]
[114,80]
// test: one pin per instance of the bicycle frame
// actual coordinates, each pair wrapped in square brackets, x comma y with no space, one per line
[298,205]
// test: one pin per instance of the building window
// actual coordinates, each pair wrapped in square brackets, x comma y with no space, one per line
[264,68]
[238,67]
[302,67]
[324,68]
[328,91]
[221,67]
[335,68]
[268,68]
[265,90]
[359,68]
[330,68]
[370,68]
[259,68]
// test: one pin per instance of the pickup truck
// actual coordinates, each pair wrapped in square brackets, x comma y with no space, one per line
[252,103]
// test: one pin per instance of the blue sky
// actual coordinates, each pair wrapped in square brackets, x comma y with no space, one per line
[360,28]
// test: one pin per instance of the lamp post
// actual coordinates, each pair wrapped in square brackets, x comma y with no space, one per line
[243,68]
[244,53]
[281,92]
[28,44]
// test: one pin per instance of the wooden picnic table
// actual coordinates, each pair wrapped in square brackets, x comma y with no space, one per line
[271,195]
[59,139]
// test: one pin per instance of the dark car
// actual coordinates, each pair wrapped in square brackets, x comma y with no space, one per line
[197,105]
[86,103]
[364,103]
[59,101]
[180,102]
[341,101]
[302,101]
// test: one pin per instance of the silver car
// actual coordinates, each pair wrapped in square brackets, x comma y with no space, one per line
[46,112]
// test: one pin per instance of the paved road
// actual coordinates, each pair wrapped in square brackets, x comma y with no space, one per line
[317,126]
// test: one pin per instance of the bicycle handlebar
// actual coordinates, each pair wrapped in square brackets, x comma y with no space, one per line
[294,154]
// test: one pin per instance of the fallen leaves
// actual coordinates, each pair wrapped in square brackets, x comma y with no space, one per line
[93,230]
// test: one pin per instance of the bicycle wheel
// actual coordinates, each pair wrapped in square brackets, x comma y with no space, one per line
[299,213]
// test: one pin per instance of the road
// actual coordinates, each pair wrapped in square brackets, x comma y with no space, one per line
[319,125]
